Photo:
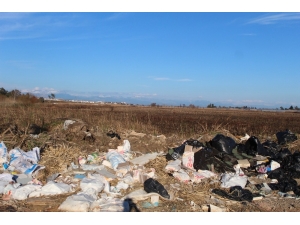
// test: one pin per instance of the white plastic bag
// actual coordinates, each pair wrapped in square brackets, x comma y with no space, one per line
[115,158]
[173,165]
[229,180]
[88,183]
[22,192]
[188,159]
[5,178]
[197,177]
[52,188]
[78,203]
[182,176]
[3,153]
[110,204]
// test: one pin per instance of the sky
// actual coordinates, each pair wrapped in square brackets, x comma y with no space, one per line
[227,58]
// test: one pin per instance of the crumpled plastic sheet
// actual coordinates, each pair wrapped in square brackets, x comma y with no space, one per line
[5,178]
[234,179]
[80,202]
[52,188]
[173,165]
[67,123]
[110,204]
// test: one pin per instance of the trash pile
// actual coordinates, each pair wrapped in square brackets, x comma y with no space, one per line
[114,181]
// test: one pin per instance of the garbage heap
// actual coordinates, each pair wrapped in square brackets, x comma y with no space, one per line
[117,179]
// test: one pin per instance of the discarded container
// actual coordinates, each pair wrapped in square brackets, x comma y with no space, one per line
[152,185]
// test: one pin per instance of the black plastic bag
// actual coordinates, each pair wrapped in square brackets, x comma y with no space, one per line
[254,147]
[113,134]
[277,174]
[223,143]
[284,185]
[176,153]
[202,158]
[272,148]
[284,137]
[151,185]
[237,193]
[296,157]
[194,143]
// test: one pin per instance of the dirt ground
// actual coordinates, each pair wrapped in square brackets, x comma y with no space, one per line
[60,147]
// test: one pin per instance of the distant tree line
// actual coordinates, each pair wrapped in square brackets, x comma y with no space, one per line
[291,108]
[16,95]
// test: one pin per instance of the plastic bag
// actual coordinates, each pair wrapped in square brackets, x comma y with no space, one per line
[271,147]
[231,179]
[80,202]
[52,188]
[237,193]
[88,183]
[201,157]
[254,147]
[3,153]
[182,176]
[115,158]
[223,143]
[173,165]
[188,159]
[22,192]
[110,204]
[284,137]
[151,185]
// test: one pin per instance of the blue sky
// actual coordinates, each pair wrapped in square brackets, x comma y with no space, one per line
[235,58]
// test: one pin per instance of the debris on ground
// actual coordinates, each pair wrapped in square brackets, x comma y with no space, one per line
[210,177]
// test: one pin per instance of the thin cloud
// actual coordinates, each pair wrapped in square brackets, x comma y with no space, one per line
[276,18]
[161,78]
[34,25]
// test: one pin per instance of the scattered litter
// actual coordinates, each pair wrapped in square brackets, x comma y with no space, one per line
[182,176]
[3,153]
[142,160]
[244,163]
[152,185]
[173,165]
[114,158]
[67,123]
[51,188]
